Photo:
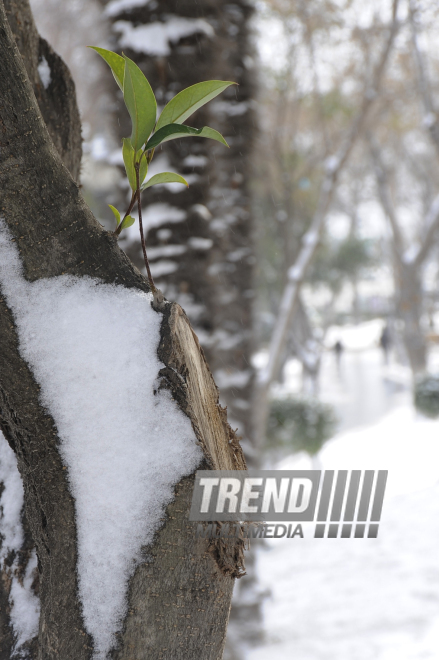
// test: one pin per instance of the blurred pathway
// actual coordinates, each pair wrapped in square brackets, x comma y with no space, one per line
[363,599]
[362,388]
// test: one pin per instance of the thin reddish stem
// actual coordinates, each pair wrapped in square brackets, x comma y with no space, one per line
[130,208]
[142,237]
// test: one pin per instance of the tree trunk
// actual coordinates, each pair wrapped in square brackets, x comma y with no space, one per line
[409,298]
[201,251]
[56,234]
[52,84]
[205,259]
[57,104]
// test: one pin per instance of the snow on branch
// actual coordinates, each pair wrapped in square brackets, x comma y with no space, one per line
[45,72]
[155,38]
[92,348]
[116,7]
[25,606]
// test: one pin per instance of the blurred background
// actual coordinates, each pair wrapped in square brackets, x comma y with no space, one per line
[307,258]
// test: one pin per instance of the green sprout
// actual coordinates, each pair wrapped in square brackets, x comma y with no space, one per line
[148,133]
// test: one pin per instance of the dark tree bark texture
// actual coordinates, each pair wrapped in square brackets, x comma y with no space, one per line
[57,101]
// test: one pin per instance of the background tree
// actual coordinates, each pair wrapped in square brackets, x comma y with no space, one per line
[334,153]
[404,150]
[200,240]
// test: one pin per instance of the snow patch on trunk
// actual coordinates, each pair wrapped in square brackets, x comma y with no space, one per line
[153,216]
[44,72]
[116,7]
[25,606]
[93,349]
[155,38]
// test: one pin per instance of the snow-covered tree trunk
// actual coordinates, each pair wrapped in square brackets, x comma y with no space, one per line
[109,407]
[55,93]
[200,240]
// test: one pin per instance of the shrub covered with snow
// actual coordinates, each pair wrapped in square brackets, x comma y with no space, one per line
[300,424]
[426,395]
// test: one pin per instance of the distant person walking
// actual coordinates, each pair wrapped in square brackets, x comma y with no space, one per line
[338,350]
[385,343]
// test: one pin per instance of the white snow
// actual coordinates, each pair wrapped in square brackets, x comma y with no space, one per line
[229,108]
[166,251]
[368,599]
[153,215]
[295,273]
[164,234]
[115,7]
[199,243]
[192,309]
[93,349]
[164,267]
[25,606]
[226,341]
[429,120]
[159,214]
[226,378]
[44,72]
[202,211]
[331,164]
[115,157]
[221,267]
[365,599]
[195,161]
[25,610]
[310,238]
[160,163]
[411,253]
[99,148]
[156,38]
[239,254]
[355,337]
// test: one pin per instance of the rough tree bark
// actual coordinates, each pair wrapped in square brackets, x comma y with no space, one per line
[56,233]
[57,100]
[57,103]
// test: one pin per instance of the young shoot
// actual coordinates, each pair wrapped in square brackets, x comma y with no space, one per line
[148,132]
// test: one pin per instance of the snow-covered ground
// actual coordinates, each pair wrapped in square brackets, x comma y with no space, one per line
[363,599]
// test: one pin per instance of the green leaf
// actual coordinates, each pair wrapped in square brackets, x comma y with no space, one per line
[115,62]
[184,104]
[164,177]
[143,166]
[174,131]
[140,101]
[128,159]
[127,222]
[116,214]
